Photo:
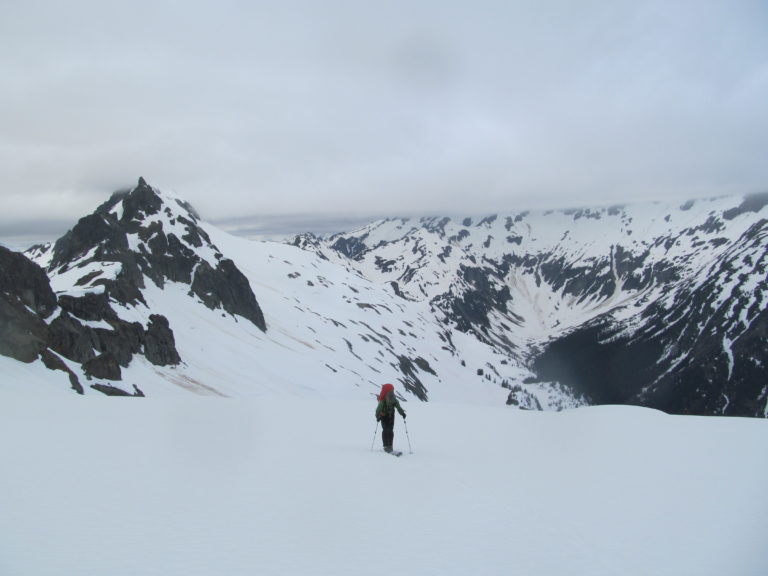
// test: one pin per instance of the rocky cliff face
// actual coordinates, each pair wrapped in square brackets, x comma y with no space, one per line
[26,300]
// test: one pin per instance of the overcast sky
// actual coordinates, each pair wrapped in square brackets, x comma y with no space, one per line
[331,109]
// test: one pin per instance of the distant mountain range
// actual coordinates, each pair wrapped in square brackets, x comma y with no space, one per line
[651,304]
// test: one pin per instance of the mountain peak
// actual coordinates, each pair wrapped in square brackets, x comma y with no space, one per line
[133,204]
[146,233]
[99,271]
[143,201]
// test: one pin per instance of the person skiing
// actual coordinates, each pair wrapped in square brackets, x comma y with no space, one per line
[385,413]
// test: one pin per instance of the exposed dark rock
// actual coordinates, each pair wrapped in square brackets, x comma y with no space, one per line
[90,306]
[436,225]
[115,391]
[481,297]
[169,260]
[351,247]
[92,231]
[396,289]
[53,362]
[88,278]
[102,351]
[384,265]
[194,236]
[122,341]
[424,365]
[581,280]
[70,338]
[140,202]
[23,334]
[103,366]
[410,379]
[23,280]
[226,287]
[159,342]
[463,234]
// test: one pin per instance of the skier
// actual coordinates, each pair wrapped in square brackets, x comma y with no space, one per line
[385,413]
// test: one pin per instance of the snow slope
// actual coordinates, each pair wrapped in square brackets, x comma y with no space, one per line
[279,485]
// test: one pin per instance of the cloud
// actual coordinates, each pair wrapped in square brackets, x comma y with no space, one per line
[347,108]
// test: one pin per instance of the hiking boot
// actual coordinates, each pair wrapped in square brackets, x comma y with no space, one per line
[387,448]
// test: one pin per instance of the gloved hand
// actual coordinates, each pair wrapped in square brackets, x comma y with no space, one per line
[378,418]
[403,414]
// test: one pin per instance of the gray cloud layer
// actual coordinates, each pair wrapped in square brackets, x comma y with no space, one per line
[348,108]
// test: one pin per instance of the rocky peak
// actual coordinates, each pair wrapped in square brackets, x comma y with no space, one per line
[101,267]
[144,233]
[136,204]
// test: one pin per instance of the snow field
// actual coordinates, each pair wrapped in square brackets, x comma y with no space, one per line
[280,485]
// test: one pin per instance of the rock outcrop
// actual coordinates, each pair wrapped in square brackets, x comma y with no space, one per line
[26,299]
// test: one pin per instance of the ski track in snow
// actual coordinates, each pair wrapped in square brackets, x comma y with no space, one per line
[192,486]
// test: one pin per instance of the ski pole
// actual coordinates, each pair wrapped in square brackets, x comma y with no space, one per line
[374,435]
[410,450]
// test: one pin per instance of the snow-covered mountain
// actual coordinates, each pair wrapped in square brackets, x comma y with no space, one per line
[651,304]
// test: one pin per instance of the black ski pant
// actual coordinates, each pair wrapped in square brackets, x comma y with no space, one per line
[388,429]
